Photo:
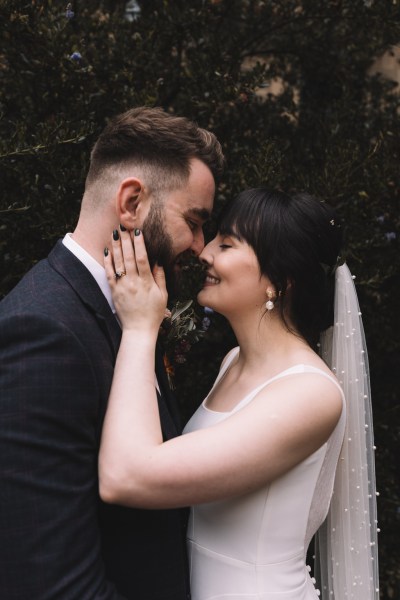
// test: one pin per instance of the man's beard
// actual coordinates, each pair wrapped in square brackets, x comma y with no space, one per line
[159,245]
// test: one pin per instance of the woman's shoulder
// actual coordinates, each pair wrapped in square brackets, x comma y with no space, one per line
[309,362]
[309,389]
[320,371]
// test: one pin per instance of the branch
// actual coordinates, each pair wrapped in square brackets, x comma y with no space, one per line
[44,147]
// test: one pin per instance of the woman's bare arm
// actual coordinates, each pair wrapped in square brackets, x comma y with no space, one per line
[285,423]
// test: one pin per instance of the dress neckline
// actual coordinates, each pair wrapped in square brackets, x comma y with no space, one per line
[254,391]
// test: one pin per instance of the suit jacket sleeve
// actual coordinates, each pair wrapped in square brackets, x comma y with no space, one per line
[49,535]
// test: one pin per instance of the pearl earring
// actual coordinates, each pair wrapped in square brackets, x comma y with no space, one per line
[269,305]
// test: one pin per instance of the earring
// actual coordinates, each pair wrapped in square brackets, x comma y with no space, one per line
[269,305]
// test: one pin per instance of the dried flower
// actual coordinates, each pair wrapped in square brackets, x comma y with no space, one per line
[178,333]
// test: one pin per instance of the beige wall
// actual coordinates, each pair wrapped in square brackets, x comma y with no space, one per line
[388,65]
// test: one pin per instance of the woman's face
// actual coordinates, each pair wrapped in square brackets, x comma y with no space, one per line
[233,283]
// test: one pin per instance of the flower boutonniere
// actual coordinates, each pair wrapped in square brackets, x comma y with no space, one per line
[180,329]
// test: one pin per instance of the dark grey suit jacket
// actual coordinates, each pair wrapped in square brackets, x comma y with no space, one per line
[58,345]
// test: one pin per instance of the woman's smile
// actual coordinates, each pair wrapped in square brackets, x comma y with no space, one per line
[210,280]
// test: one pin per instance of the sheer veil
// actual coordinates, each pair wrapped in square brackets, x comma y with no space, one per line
[346,543]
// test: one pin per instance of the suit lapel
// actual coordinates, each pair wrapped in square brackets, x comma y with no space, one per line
[85,286]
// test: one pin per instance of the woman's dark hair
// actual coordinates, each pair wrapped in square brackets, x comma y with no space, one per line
[297,240]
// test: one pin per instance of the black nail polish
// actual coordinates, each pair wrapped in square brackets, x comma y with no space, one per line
[115,235]
[137,232]
[122,228]
[105,251]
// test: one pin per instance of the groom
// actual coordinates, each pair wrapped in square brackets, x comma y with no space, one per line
[59,338]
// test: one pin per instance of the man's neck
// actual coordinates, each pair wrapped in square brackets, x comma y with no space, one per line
[92,244]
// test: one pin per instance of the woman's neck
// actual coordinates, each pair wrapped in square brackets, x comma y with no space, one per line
[265,340]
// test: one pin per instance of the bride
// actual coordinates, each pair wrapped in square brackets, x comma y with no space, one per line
[282,445]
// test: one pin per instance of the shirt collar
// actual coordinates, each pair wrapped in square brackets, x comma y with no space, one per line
[96,270]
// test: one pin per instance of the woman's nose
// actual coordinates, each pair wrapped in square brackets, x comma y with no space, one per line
[206,255]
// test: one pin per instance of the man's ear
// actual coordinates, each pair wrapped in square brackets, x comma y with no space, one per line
[131,203]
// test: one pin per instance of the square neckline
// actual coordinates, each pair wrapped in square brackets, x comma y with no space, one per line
[248,397]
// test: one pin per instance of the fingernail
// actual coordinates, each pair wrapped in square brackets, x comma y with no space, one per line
[137,232]
[122,228]
[115,235]
[105,251]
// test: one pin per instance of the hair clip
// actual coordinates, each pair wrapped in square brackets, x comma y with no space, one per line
[330,269]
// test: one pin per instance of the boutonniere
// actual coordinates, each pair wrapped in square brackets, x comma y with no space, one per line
[181,328]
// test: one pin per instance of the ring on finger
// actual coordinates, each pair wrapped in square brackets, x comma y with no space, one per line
[119,274]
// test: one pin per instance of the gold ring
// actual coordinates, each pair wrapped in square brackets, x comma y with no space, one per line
[119,274]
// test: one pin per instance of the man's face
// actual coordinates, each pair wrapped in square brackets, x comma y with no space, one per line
[174,224]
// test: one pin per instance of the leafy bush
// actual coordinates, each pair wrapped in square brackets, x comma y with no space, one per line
[288,89]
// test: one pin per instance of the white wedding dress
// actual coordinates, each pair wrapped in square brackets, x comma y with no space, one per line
[254,547]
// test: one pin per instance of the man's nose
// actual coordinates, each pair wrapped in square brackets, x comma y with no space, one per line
[198,243]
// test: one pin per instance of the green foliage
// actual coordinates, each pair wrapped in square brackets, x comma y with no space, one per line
[332,129]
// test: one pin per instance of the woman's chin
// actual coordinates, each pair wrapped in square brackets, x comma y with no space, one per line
[199,295]
[201,298]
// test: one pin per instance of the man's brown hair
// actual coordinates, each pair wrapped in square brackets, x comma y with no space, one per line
[160,143]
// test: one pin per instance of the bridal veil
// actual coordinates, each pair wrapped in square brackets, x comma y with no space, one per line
[346,544]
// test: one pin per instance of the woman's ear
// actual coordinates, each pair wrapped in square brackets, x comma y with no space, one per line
[131,203]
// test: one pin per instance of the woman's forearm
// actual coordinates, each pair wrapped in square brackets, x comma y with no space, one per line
[132,422]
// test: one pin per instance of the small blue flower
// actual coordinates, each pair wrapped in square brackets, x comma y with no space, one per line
[132,10]
[76,56]
[208,310]
[380,219]
[69,13]
[390,236]
[205,324]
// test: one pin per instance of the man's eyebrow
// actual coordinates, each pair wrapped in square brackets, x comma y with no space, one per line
[201,213]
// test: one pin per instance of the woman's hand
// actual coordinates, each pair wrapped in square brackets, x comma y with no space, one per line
[139,295]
